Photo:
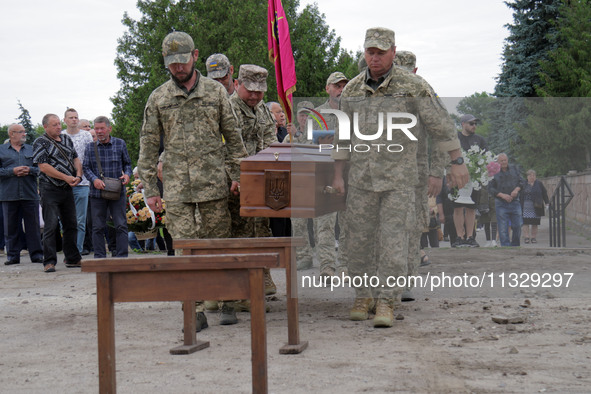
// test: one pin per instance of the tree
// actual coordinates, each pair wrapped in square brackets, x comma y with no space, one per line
[528,43]
[25,120]
[558,125]
[479,105]
[3,133]
[317,53]
[567,70]
[556,135]
[235,28]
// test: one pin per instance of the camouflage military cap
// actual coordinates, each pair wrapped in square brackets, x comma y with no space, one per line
[253,77]
[336,77]
[177,47]
[304,105]
[379,37]
[406,60]
[217,65]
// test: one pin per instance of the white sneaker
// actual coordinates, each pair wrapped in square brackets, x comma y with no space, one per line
[488,244]
[493,243]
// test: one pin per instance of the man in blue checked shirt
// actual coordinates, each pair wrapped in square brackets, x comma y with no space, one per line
[18,192]
[115,163]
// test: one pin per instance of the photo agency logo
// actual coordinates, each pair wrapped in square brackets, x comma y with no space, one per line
[319,133]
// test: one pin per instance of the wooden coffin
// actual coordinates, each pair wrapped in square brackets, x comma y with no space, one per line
[288,181]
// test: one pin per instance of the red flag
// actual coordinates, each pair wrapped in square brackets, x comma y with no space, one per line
[281,55]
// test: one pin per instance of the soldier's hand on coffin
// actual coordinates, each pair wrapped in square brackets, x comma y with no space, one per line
[235,188]
[338,184]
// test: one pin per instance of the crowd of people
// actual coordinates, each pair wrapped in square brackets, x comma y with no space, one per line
[196,131]
[51,186]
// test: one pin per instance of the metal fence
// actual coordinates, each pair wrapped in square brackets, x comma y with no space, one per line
[557,213]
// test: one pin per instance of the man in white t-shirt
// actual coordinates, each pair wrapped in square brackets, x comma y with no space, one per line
[80,138]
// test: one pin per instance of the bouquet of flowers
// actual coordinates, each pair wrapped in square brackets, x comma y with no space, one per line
[140,218]
[482,166]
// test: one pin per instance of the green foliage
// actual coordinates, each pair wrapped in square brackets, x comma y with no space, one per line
[236,28]
[567,71]
[25,120]
[556,137]
[479,105]
[3,133]
[317,53]
[507,114]
[528,43]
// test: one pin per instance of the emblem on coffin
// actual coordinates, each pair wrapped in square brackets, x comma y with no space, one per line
[277,189]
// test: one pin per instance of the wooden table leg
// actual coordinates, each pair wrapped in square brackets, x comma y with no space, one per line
[106,334]
[294,346]
[190,342]
[258,332]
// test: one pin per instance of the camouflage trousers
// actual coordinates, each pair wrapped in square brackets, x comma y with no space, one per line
[299,227]
[208,219]
[379,225]
[243,226]
[414,241]
[342,260]
[324,239]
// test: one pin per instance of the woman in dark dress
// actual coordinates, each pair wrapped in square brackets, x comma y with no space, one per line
[533,199]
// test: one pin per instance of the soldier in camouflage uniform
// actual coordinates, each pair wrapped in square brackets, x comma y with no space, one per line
[258,132]
[192,113]
[407,60]
[219,69]
[381,197]
[298,131]
[324,226]
[430,176]
[297,135]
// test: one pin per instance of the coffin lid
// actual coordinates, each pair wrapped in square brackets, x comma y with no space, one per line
[291,153]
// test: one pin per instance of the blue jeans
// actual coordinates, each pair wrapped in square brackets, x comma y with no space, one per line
[509,211]
[133,242]
[81,200]
[100,209]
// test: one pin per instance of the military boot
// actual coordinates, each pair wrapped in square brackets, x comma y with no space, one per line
[384,313]
[228,315]
[244,306]
[270,287]
[361,308]
[327,271]
[407,295]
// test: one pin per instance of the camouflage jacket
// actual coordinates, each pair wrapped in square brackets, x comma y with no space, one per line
[258,126]
[400,92]
[194,159]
